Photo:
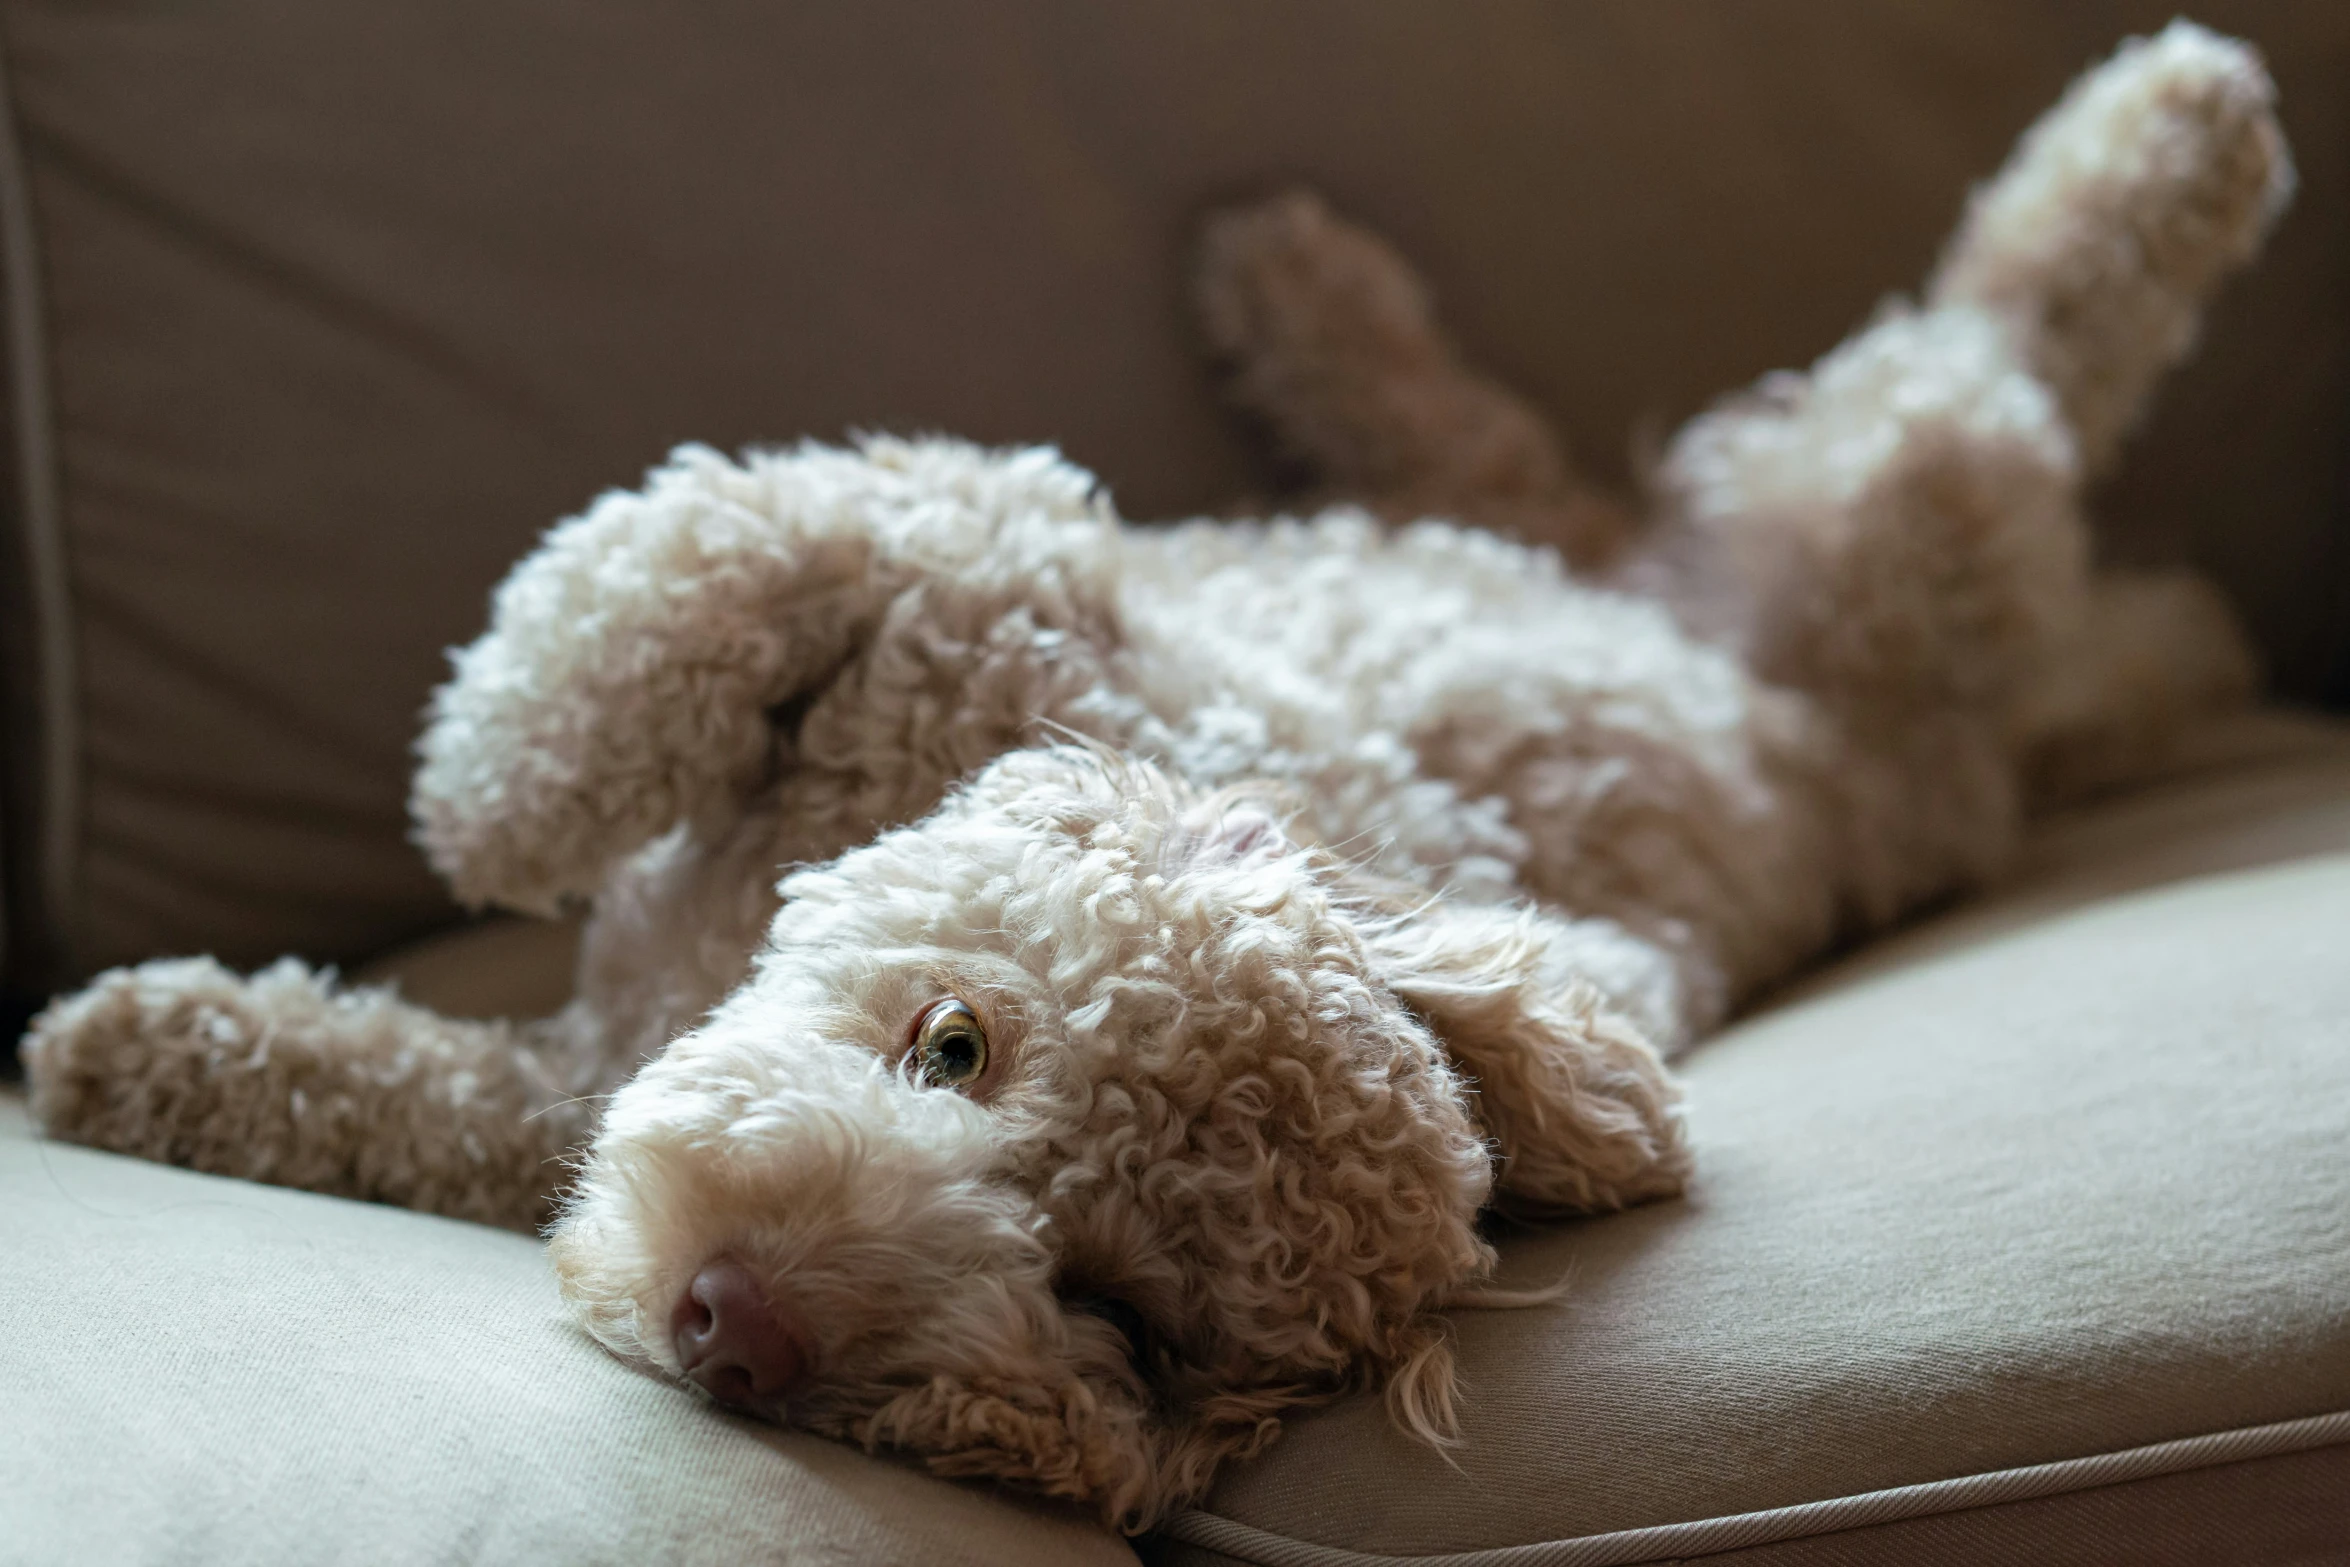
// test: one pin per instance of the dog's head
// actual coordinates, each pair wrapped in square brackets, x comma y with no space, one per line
[1065,1137]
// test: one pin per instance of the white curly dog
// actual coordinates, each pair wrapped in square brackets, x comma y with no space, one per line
[1197,928]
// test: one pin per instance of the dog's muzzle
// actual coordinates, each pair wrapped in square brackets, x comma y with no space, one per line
[735,1343]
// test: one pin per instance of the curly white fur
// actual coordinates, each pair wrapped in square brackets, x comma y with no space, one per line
[1382,868]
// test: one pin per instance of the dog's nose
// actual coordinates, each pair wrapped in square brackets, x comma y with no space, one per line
[733,1340]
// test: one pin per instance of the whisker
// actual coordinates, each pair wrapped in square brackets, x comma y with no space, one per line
[574,1099]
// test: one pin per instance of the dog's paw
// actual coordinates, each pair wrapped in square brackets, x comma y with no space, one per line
[1588,1118]
[169,1061]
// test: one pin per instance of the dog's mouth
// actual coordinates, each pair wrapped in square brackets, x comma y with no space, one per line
[1155,1355]
[1141,1341]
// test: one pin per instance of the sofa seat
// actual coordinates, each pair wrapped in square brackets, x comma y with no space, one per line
[2023,1236]
[207,1371]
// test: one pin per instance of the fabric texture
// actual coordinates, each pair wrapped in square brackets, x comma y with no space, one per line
[208,1371]
[346,303]
[1794,1334]
[2286,1509]
[2052,1176]
[2275,1509]
[2016,1194]
[495,968]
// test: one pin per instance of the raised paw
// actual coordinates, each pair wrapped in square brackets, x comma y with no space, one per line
[2159,173]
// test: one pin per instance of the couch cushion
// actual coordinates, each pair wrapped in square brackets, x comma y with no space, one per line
[1934,1180]
[2030,1243]
[344,302]
[2051,1178]
[202,1370]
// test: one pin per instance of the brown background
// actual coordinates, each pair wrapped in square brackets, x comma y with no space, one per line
[346,301]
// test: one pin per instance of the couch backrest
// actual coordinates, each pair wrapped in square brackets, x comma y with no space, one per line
[319,311]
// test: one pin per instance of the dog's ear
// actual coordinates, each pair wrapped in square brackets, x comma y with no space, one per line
[1566,1082]
[637,661]
[1101,1440]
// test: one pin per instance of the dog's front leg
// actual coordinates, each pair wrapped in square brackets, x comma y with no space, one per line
[282,1077]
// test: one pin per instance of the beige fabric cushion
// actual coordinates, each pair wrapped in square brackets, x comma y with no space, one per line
[201,1370]
[2284,1508]
[499,967]
[344,302]
[2025,1188]
[1999,1193]
[1841,1305]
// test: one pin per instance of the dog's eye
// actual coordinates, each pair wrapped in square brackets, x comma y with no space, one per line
[950,1047]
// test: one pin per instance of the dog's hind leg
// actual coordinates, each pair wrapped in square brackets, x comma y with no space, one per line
[2096,248]
[1898,532]
[2121,210]
[1329,342]
[285,1078]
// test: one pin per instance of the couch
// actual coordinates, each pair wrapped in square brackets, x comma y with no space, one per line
[2020,1236]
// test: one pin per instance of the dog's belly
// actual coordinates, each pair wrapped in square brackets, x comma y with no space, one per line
[1459,713]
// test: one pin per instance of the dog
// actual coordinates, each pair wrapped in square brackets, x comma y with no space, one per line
[1196,930]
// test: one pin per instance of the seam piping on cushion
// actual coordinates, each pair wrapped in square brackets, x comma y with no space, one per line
[1706,1536]
[40,510]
